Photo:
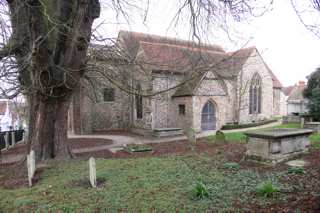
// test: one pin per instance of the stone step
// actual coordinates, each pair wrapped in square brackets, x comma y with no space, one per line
[167,132]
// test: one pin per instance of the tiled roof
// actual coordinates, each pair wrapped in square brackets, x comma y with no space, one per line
[287,90]
[174,55]
[132,39]
[276,82]
[296,93]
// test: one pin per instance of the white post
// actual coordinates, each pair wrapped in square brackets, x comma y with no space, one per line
[92,172]
[24,136]
[302,122]
[13,138]
[31,164]
[6,138]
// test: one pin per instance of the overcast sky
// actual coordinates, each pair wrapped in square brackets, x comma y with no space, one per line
[291,51]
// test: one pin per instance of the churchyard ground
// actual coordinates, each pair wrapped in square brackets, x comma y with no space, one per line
[213,177]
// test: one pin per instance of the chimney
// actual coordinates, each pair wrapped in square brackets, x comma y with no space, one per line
[302,84]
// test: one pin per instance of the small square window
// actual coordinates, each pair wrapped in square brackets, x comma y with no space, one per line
[108,95]
[182,109]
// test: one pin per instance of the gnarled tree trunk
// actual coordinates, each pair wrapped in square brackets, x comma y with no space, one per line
[50,130]
[50,41]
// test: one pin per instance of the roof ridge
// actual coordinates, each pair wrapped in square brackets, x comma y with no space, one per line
[196,48]
[171,40]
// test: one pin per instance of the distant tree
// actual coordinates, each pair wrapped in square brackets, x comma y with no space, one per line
[312,92]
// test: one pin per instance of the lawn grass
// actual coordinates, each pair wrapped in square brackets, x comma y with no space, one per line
[139,185]
[289,125]
[240,137]
[150,184]
[315,141]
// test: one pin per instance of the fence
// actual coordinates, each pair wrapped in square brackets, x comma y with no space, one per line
[10,138]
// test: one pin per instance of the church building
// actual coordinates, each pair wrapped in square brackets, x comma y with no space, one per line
[149,82]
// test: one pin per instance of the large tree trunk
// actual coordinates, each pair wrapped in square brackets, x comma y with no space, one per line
[49,133]
[50,41]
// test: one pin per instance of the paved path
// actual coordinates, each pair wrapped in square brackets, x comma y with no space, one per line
[120,140]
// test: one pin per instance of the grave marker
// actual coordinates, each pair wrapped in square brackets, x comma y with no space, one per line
[220,137]
[92,172]
[31,164]
[191,134]
[13,139]
[192,139]
[6,138]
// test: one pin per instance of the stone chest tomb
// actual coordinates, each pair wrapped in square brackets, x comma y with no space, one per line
[276,145]
[313,125]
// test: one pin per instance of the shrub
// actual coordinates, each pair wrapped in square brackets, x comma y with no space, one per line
[201,190]
[231,166]
[266,189]
[296,170]
[312,92]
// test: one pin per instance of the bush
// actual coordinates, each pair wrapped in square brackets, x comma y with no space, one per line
[266,189]
[296,170]
[312,92]
[242,126]
[201,190]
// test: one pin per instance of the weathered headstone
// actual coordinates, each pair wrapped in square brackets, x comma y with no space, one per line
[220,137]
[92,172]
[31,164]
[191,135]
[192,139]
[7,140]
[13,139]
[302,121]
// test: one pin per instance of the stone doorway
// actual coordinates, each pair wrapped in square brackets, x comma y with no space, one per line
[208,117]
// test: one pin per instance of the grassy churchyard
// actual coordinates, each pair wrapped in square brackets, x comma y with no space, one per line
[212,178]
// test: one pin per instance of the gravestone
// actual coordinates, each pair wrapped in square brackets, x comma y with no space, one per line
[191,135]
[220,137]
[31,165]
[13,139]
[302,122]
[7,140]
[92,172]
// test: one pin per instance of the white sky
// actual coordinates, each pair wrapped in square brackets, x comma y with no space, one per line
[291,51]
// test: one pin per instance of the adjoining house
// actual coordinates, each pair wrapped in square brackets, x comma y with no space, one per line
[206,87]
[10,118]
[296,103]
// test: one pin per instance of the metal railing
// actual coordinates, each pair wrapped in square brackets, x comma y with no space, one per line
[9,139]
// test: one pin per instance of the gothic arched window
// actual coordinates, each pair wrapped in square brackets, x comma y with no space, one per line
[255,95]
[139,105]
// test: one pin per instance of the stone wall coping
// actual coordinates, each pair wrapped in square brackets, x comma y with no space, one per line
[313,123]
[278,133]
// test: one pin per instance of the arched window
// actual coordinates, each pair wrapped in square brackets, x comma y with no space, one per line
[139,105]
[208,117]
[255,95]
